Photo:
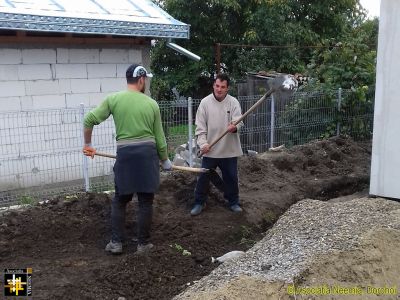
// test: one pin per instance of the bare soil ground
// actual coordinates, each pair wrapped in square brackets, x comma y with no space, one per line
[64,239]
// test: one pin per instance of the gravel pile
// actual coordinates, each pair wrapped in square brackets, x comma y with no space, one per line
[308,229]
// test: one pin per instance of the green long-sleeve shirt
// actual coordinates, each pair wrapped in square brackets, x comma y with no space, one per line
[136,117]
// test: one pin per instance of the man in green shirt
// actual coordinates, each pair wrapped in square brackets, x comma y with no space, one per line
[141,145]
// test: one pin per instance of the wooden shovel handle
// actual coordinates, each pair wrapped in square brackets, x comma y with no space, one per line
[180,168]
[190,169]
[255,105]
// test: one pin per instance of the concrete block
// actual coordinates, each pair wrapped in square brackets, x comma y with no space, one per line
[34,72]
[79,86]
[62,56]
[96,98]
[109,85]
[26,102]
[101,70]
[64,86]
[121,70]
[102,167]
[74,100]
[32,143]
[105,133]
[71,116]
[84,56]
[55,138]
[5,137]
[39,56]
[19,166]
[48,101]
[8,72]
[10,104]
[71,71]
[63,164]
[7,182]
[114,56]
[29,172]
[71,136]
[13,120]
[42,87]
[6,151]
[12,88]
[135,56]
[10,56]
[37,120]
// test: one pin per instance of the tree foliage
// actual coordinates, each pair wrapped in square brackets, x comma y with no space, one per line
[292,23]
[348,64]
[211,21]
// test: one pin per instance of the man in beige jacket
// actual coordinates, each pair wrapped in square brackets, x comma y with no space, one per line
[215,115]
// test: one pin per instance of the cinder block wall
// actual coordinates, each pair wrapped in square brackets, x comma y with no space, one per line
[41,77]
[44,147]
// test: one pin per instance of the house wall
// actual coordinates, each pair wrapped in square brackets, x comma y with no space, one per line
[385,168]
[34,77]
[41,89]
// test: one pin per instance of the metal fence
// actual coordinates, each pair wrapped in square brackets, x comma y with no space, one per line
[40,151]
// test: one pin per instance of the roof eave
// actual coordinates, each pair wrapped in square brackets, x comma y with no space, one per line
[28,22]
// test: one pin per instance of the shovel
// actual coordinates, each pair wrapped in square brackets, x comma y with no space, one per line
[180,168]
[285,82]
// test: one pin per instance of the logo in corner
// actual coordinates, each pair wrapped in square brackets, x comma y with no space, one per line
[18,282]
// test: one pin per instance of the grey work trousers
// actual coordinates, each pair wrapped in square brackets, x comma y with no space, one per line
[144,216]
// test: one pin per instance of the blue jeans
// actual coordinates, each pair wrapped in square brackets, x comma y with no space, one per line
[228,167]
[144,216]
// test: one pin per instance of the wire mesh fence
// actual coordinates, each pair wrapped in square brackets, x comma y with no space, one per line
[41,151]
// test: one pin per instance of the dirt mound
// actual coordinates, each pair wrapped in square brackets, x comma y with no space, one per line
[272,181]
[63,240]
[372,267]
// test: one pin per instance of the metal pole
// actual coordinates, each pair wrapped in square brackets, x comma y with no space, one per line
[272,120]
[218,57]
[190,122]
[339,103]
[85,167]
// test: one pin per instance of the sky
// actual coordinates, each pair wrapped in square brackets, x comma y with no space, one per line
[372,6]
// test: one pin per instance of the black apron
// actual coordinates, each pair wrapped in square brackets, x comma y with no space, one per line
[137,169]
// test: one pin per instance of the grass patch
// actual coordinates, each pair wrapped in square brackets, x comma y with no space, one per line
[26,200]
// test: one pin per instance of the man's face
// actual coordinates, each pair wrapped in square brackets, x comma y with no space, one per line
[220,89]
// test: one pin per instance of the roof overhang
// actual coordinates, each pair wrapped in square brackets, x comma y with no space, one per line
[140,18]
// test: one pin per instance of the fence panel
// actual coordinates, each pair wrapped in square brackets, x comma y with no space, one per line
[41,151]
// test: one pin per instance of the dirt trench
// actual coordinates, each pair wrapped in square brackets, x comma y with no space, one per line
[63,240]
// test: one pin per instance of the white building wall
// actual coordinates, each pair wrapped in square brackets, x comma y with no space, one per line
[385,168]
[29,73]
[34,78]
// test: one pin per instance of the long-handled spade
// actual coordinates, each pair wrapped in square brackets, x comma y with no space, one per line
[180,168]
[284,82]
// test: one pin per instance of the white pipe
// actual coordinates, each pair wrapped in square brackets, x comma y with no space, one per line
[183,51]
[85,166]
[190,121]
[272,120]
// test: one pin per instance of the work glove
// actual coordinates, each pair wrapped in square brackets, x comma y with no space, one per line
[166,165]
[232,128]
[88,150]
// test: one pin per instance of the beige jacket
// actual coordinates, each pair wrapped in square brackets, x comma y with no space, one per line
[212,120]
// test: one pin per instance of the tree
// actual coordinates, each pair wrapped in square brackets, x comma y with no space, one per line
[296,23]
[350,63]
[259,22]
[211,21]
